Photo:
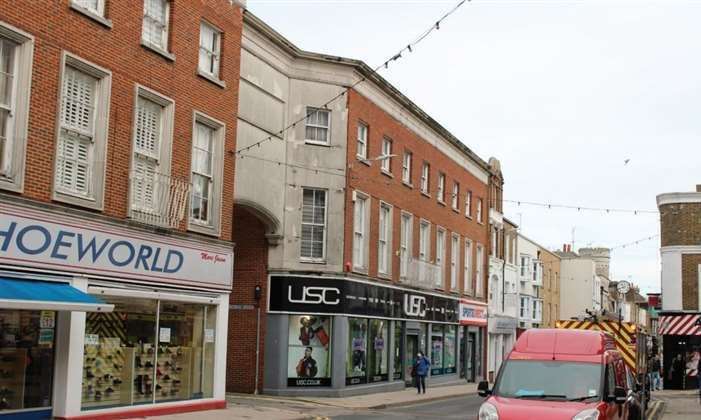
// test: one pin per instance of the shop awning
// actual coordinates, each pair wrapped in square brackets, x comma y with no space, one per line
[47,295]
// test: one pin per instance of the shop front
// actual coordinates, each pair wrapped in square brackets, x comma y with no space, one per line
[100,320]
[502,337]
[335,336]
[681,337]
[473,322]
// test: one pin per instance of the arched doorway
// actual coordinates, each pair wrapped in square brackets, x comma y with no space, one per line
[254,230]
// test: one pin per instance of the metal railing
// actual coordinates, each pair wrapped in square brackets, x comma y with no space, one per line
[158,199]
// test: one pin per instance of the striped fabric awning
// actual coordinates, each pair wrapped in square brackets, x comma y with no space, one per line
[680,324]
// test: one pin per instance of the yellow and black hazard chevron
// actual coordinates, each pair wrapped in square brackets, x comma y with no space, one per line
[624,334]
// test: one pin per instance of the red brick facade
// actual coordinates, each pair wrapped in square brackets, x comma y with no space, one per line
[58,28]
[389,188]
[250,270]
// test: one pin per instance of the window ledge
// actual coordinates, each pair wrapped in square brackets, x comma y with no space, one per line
[158,50]
[441,202]
[76,200]
[312,261]
[385,276]
[363,160]
[387,174]
[212,79]
[456,210]
[425,194]
[408,184]
[468,216]
[316,143]
[203,229]
[360,270]
[92,15]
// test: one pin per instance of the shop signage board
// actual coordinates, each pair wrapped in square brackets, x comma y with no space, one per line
[330,295]
[502,325]
[55,241]
[473,313]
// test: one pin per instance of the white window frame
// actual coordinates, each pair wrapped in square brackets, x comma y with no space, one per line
[12,164]
[454,260]
[94,199]
[309,111]
[384,240]
[524,268]
[406,243]
[468,204]
[161,49]
[440,255]
[166,137]
[467,274]
[406,167]
[479,210]
[426,178]
[213,54]
[386,160]
[440,192]
[479,283]
[362,135]
[361,231]
[214,227]
[325,226]
[456,196]
[424,240]
[97,13]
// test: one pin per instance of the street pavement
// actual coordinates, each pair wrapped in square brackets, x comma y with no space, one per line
[680,405]
[465,407]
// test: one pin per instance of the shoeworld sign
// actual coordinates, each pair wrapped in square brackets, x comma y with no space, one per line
[59,242]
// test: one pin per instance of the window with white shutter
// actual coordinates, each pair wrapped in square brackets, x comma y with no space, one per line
[405,244]
[93,6]
[210,46]
[313,243]
[77,131]
[155,24]
[82,133]
[152,188]
[8,77]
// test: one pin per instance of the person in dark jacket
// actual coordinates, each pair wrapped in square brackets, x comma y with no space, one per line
[421,368]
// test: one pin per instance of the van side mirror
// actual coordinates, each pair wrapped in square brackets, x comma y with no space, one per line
[619,395]
[483,389]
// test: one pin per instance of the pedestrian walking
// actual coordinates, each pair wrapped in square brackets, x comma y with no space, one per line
[421,367]
[656,372]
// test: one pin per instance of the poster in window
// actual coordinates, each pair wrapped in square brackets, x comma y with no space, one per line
[356,365]
[437,350]
[308,351]
[449,350]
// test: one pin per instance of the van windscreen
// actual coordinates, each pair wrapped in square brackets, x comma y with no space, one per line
[539,379]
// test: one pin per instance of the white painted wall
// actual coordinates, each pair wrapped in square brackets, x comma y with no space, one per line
[671,279]
[577,280]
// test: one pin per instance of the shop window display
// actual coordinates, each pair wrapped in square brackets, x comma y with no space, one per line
[398,348]
[356,365]
[26,359]
[378,350]
[309,351]
[449,349]
[437,350]
[146,351]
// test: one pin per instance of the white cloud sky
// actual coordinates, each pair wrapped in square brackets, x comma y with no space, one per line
[562,92]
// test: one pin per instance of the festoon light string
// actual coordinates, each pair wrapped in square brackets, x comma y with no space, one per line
[409,48]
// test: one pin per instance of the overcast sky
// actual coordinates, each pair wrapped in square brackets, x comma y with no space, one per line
[561,92]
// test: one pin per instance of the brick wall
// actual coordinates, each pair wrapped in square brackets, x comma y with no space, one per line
[690,282]
[551,288]
[681,224]
[250,270]
[370,180]
[57,28]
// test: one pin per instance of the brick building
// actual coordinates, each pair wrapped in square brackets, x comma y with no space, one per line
[117,119]
[679,322]
[367,236]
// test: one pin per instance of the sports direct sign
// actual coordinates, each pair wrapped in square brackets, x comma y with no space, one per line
[473,313]
[33,238]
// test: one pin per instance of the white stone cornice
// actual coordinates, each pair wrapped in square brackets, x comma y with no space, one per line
[678,198]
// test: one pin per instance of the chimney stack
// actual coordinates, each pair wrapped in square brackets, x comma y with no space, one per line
[564,247]
[698,187]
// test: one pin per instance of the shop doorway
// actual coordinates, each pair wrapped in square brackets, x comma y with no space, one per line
[469,356]
[412,347]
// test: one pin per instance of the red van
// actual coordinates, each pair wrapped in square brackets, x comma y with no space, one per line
[559,374]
